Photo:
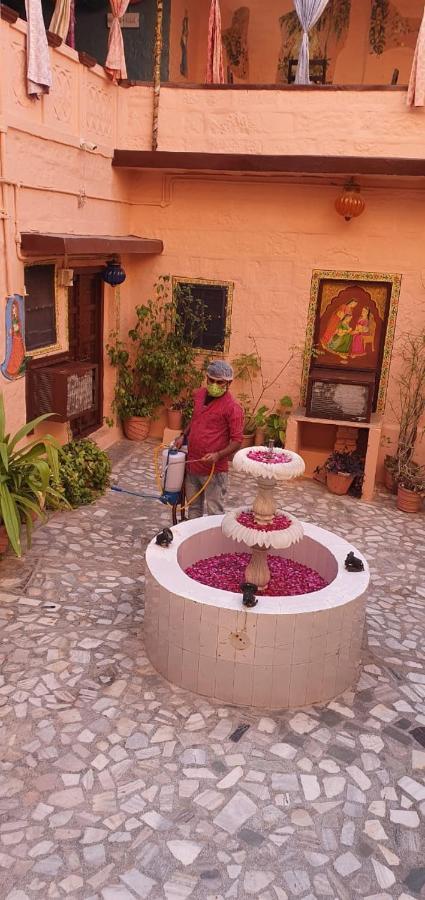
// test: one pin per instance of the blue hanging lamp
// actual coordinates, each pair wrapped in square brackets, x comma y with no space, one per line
[113,273]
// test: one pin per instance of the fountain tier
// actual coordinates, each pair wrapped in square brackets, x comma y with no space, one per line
[287,651]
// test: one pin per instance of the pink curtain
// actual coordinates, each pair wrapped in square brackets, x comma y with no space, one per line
[416,89]
[215,65]
[70,40]
[39,74]
[115,60]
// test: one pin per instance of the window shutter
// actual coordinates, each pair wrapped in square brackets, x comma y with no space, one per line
[40,311]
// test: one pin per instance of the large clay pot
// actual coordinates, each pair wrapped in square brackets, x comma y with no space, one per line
[339,482]
[408,501]
[247,440]
[389,481]
[174,419]
[136,428]
[4,539]
[260,437]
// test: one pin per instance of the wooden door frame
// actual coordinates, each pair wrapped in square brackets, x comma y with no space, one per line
[95,270]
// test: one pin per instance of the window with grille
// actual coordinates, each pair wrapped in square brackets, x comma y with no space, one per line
[40,310]
[215,300]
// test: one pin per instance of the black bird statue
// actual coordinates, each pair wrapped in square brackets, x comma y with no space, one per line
[164,537]
[353,563]
[248,594]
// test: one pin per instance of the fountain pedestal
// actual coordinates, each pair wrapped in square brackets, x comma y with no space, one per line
[257,571]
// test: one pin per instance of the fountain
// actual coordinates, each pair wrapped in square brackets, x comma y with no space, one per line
[278,627]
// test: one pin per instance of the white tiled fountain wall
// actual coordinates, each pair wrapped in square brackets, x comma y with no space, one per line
[286,652]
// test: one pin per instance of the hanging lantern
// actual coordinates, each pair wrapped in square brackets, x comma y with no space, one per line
[350,203]
[113,273]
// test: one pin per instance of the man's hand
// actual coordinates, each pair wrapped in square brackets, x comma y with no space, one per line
[211,458]
[179,441]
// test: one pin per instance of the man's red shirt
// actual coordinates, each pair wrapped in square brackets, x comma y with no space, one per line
[213,426]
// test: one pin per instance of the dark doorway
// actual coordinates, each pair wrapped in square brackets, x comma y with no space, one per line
[85,322]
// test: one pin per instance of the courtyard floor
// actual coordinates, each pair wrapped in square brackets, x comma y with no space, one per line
[111,779]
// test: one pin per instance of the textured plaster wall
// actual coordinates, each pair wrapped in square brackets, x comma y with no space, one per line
[267,237]
[264,235]
[355,64]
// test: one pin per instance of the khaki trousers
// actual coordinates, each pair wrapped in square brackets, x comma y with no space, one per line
[212,497]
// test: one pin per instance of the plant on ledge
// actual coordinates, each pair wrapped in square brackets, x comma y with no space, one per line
[248,370]
[158,362]
[26,476]
[344,472]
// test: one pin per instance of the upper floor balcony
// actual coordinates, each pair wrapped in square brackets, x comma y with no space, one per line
[361,56]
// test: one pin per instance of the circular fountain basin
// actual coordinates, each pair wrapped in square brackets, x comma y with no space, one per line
[285,652]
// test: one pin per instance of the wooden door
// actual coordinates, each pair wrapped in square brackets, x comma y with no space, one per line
[85,323]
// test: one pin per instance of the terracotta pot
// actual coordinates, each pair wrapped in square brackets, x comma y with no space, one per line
[4,539]
[389,481]
[247,440]
[339,482]
[136,428]
[260,437]
[174,419]
[408,501]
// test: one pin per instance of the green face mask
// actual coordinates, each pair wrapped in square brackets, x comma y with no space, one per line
[215,390]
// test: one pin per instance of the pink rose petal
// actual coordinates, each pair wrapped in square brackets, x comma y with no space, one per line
[226,572]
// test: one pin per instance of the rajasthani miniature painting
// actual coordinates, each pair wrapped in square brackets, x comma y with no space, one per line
[351,323]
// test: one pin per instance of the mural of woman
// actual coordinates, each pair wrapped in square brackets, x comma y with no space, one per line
[342,339]
[14,362]
[365,328]
[335,321]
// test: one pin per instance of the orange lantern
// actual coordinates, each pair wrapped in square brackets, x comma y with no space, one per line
[350,203]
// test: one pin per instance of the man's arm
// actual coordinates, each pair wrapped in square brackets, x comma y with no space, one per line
[231,448]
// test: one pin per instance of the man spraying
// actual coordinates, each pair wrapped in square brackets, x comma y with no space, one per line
[213,434]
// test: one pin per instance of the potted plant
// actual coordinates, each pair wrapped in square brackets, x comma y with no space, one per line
[341,470]
[26,476]
[410,406]
[159,360]
[411,487]
[248,370]
[277,422]
[84,472]
[260,421]
[390,473]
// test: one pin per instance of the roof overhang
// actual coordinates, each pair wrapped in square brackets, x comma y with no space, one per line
[35,243]
[259,163]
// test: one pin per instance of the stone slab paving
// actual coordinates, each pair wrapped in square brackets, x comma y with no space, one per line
[114,785]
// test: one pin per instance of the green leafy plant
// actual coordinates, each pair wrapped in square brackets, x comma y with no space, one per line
[277,421]
[410,406]
[248,369]
[159,361]
[345,463]
[411,477]
[26,475]
[84,471]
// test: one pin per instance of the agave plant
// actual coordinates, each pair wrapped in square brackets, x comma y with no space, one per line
[26,476]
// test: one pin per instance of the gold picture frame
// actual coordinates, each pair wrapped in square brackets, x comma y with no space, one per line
[181,279]
[61,314]
[356,278]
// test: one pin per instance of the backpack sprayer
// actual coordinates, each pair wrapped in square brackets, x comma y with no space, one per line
[169,478]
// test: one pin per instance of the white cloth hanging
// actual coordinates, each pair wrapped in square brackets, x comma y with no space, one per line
[59,23]
[39,73]
[308,12]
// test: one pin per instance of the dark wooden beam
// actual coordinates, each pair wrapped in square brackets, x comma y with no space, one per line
[8,14]
[244,162]
[35,243]
[193,86]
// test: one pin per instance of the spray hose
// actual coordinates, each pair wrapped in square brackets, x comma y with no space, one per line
[181,506]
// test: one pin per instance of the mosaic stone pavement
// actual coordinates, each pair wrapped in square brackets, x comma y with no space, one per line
[114,785]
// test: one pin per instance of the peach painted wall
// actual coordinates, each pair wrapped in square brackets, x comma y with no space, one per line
[263,234]
[267,237]
[355,64]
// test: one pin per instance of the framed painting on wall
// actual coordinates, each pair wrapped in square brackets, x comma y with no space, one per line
[350,326]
